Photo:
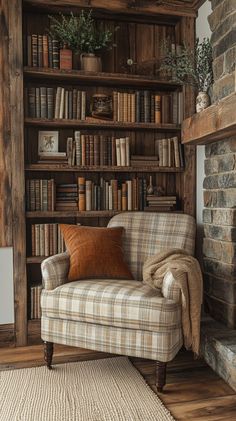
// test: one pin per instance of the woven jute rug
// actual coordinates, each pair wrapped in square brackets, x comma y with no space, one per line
[102,390]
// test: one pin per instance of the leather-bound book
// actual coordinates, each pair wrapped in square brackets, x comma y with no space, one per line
[124,196]
[45,51]
[40,51]
[81,188]
[34,39]
[158,109]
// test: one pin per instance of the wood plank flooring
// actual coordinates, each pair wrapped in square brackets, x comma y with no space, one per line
[193,392]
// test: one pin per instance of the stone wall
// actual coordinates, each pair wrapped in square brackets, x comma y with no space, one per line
[219,217]
[223,26]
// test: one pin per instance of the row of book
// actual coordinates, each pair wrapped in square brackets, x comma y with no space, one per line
[35,297]
[138,107]
[67,197]
[46,240]
[148,107]
[40,195]
[59,103]
[42,51]
[94,150]
[112,195]
[170,153]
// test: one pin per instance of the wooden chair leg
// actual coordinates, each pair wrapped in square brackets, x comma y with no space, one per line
[48,353]
[160,375]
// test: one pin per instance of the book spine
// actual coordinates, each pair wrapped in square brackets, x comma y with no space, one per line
[29,50]
[124,196]
[157,109]
[66,105]
[37,102]
[118,153]
[70,105]
[137,107]
[45,51]
[34,39]
[50,53]
[115,105]
[62,101]
[88,195]
[127,151]
[83,150]
[74,104]
[83,105]
[78,106]
[147,114]
[47,244]
[32,102]
[81,188]
[77,149]
[129,195]
[122,152]
[50,102]
[40,51]
[96,150]
[43,102]
[33,251]
[55,54]
[65,58]
[91,150]
[115,194]
[37,240]
[125,107]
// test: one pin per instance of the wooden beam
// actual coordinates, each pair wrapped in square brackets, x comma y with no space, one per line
[130,7]
[18,182]
[189,176]
[5,138]
[215,123]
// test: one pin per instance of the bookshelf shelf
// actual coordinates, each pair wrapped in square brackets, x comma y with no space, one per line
[35,259]
[66,168]
[71,214]
[101,124]
[102,78]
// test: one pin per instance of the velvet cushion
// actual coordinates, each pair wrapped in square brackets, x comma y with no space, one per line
[95,252]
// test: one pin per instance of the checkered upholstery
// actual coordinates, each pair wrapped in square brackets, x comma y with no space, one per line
[149,233]
[127,304]
[117,316]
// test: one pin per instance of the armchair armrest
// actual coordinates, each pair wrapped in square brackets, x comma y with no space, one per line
[171,286]
[55,270]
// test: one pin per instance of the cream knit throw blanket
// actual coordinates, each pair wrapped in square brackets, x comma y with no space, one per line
[188,277]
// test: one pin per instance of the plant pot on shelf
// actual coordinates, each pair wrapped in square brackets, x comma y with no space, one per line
[202,101]
[65,58]
[90,63]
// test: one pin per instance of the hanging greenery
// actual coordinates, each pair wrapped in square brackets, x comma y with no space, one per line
[191,67]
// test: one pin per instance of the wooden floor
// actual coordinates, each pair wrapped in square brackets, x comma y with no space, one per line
[193,392]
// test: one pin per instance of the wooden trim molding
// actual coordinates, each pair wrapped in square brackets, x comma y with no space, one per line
[214,123]
[127,7]
[7,335]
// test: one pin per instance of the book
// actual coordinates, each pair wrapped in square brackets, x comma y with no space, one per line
[118,153]
[157,109]
[45,51]
[81,188]
[122,143]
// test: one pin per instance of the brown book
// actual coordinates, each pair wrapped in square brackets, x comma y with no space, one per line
[37,239]
[113,151]
[41,240]
[87,149]
[74,104]
[124,196]
[115,106]
[45,51]
[91,150]
[69,150]
[83,105]
[33,239]
[65,59]
[88,195]
[133,111]
[157,109]
[166,109]
[83,150]
[114,184]
[96,150]
[47,239]
[81,189]
[176,151]
[165,152]
[78,106]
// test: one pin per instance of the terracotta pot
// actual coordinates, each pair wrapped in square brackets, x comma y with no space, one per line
[202,101]
[65,58]
[90,63]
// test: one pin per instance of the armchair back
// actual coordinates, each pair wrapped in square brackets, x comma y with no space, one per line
[149,233]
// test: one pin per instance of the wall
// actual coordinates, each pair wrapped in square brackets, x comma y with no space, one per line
[6,286]
[202,30]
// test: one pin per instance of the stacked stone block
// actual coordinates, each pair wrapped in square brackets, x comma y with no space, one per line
[223,26]
[219,217]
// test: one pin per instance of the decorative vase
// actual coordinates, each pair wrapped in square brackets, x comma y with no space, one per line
[202,101]
[150,189]
[90,63]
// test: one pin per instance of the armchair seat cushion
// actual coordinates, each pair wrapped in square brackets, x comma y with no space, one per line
[122,303]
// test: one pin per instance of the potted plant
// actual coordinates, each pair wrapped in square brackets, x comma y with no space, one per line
[91,40]
[65,30]
[193,68]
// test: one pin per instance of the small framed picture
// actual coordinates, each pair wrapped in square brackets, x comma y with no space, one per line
[48,141]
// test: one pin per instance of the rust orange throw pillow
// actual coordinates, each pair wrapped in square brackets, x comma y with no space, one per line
[95,252]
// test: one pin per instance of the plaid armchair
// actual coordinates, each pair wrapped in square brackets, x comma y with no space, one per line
[120,316]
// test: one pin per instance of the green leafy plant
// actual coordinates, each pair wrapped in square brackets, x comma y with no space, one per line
[191,67]
[65,30]
[92,38]
[81,33]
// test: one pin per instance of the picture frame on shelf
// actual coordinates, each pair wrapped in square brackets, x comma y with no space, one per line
[48,141]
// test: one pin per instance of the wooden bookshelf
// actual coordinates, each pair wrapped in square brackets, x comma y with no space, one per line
[142,32]
[100,169]
[102,78]
[99,124]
